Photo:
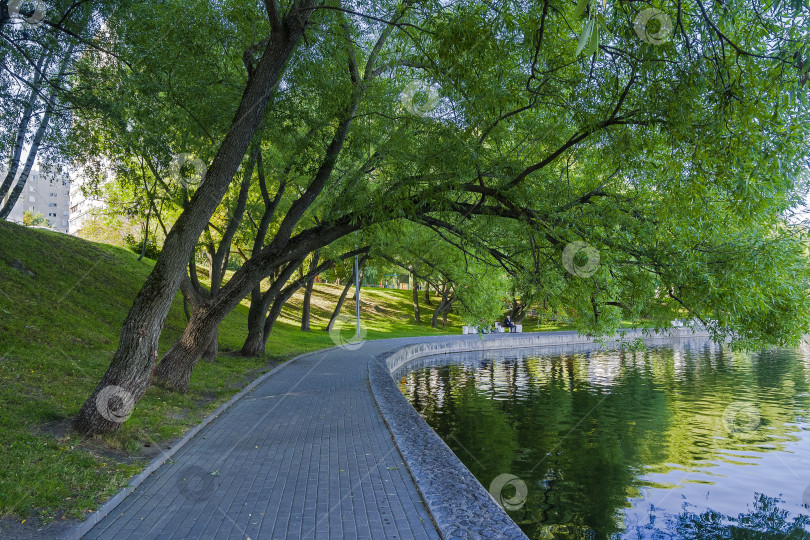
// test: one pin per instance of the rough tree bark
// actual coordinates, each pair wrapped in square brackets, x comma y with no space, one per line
[136,356]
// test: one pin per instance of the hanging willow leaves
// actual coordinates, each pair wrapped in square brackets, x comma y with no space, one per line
[593,43]
[584,38]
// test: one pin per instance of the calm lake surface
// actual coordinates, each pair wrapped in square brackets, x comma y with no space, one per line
[684,441]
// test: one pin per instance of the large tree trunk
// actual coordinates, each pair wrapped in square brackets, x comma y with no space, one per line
[175,368]
[257,338]
[135,360]
[176,374]
[416,302]
[255,343]
[306,308]
[211,351]
[427,295]
[518,311]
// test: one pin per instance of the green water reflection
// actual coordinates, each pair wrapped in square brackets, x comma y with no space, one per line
[660,443]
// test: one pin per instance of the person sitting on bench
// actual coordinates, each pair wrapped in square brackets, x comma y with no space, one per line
[509,324]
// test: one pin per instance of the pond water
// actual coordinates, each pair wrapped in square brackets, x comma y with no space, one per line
[683,441]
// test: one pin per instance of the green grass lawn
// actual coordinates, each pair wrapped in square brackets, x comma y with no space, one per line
[62,302]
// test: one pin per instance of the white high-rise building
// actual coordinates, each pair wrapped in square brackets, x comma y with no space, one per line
[47,192]
[83,206]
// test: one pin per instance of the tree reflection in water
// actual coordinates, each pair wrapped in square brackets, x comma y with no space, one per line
[610,444]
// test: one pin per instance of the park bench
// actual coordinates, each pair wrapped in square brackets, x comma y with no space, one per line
[497,328]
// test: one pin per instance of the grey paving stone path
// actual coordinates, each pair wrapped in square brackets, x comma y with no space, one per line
[305,454]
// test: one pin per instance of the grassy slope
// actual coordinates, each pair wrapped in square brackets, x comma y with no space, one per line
[58,330]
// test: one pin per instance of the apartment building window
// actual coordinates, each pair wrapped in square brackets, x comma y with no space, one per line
[32,198]
[51,214]
[64,223]
[32,188]
[52,204]
[65,213]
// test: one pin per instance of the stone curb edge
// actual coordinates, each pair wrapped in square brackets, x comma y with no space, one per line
[93,519]
[460,506]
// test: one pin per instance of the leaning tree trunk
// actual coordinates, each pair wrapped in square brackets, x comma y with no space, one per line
[184,354]
[416,302]
[219,257]
[427,295]
[434,323]
[132,365]
[306,309]
[340,302]
[175,368]
[342,298]
[440,309]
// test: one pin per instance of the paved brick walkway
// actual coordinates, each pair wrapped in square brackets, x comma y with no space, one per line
[305,454]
